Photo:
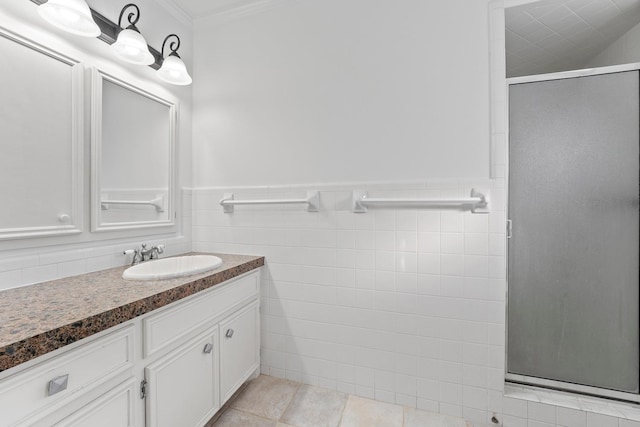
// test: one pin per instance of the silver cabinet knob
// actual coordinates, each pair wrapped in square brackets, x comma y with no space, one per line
[229,333]
[57,384]
[207,348]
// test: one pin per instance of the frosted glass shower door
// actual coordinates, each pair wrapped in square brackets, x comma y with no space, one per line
[573,255]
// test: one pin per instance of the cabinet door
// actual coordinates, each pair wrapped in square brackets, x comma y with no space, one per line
[182,387]
[41,117]
[113,409]
[239,349]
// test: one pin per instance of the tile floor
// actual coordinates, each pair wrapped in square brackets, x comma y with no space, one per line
[275,402]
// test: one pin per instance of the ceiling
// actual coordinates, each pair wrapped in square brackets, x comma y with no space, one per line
[201,8]
[559,35]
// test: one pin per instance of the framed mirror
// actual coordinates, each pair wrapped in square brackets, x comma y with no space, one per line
[42,128]
[133,146]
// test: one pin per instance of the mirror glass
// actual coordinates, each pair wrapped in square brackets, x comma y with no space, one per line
[133,143]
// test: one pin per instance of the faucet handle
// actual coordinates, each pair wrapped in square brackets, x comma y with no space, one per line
[136,255]
[144,246]
[160,248]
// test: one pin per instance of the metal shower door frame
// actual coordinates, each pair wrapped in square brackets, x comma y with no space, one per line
[525,379]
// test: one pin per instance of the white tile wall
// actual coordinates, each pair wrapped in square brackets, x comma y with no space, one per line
[401,305]
[28,266]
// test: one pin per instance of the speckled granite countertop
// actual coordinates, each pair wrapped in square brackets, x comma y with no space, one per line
[38,319]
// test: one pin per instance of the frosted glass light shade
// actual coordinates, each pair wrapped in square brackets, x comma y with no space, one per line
[174,71]
[72,16]
[132,47]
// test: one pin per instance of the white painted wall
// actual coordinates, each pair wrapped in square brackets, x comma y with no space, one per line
[399,305]
[28,261]
[332,91]
[625,50]
[403,305]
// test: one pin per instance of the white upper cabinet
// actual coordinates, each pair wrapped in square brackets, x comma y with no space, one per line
[49,118]
[41,125]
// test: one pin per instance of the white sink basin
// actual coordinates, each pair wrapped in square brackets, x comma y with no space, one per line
[169,268]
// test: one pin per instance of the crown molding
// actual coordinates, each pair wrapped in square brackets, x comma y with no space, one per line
[176,11]
[247,8]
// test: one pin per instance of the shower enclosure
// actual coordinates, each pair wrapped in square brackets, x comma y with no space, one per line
[573,244]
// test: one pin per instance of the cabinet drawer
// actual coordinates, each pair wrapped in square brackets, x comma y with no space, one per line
[173,323]
[113,409]
[85,367]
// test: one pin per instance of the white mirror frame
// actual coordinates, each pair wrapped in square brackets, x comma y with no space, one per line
[71,222]
[97,78]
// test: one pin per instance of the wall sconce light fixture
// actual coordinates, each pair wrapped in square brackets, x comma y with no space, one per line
[76,17]
[72,16]
[173,70]
[130,45]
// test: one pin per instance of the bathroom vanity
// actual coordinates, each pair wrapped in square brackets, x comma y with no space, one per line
[98,350]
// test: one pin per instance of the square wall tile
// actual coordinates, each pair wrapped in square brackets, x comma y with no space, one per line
[599,420]
[541,412]
[429,242]
[452,265]
[407,219]
[476,223]
[452,243]
[452,222]
[406,241]
[429,221]
[476,243]
[515,407]
[567,417]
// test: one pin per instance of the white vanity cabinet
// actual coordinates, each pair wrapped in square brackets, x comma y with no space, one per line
[181,387]
[193,357]
[167,368]
[113,409]
[239,349]
[46,392]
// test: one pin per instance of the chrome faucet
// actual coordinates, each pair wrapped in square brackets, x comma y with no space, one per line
[144,254]
[152,253]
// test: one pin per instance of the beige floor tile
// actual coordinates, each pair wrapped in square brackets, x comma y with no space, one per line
[233,418]
[417,418]
[361,412]
[266,397]
[315,407]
